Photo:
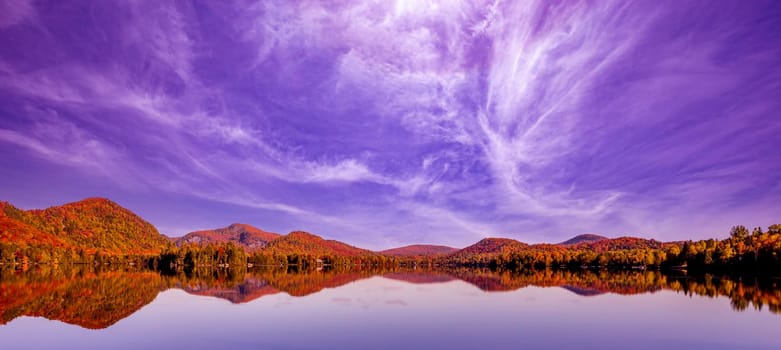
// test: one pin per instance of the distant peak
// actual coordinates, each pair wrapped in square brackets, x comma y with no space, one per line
[419,249]
[586,237]
[497,240]
[492,245]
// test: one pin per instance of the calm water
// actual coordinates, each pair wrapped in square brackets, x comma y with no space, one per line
[455,309]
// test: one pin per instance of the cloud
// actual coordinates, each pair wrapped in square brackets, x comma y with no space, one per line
[13,12]
[385,122]
[57,140]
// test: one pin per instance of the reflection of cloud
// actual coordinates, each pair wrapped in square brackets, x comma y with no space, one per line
[342,301]
[396,302]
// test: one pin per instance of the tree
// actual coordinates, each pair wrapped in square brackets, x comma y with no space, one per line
[739,232]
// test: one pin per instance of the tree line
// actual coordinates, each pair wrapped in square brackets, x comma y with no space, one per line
[743,250]
[754,250]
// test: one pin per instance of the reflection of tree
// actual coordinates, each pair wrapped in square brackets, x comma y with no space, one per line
[308,282]
[755,292]
[94,299]
[85,298]
[743,292]
[234,286]
[256,283]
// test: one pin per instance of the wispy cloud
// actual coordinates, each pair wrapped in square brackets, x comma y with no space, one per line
[389,122]
[15,12]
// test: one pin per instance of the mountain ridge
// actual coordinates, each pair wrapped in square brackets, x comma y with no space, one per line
[585,237]
[246,235]
[99,223]
[419,250]
[92,223]
[298,241]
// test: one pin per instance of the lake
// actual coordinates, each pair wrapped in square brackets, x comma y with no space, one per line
[80,308]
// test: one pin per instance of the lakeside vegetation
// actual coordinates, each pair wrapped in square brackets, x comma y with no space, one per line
[754,252]
[98,231]
[757,251]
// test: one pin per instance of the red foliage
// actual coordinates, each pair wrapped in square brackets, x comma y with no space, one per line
[299,242]
[419,250]
[249,237]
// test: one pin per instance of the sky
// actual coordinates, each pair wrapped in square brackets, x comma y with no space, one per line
[382,123]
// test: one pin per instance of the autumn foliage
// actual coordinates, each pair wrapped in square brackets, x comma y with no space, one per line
[99,231]
[98,297]
[82,228]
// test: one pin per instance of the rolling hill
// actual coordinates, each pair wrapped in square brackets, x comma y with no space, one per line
[485,249]
[584,238]
[100,224]
[300,242]
[249,237]
[92,223]
[620,243]
[419,250]
[493,246]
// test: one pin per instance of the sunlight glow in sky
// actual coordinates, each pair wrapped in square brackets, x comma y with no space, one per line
[383,123]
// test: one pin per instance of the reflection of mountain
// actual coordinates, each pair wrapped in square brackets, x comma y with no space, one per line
[94,300]
[417,277]
[88,300]
[586,292]
[580,282]
[260,283]
[248,290]
[305,283]
[489,281]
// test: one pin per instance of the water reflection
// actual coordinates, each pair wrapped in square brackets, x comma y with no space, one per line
[95,298]
[88,298]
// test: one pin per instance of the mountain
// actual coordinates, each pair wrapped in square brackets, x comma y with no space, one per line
[620,243]
[586,237]
[92,223]
[492,246]
[100,224]
[419,250]
[14,228]
[248,236]
[299,242]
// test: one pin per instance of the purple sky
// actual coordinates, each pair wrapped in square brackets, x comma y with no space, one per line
[385,123]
